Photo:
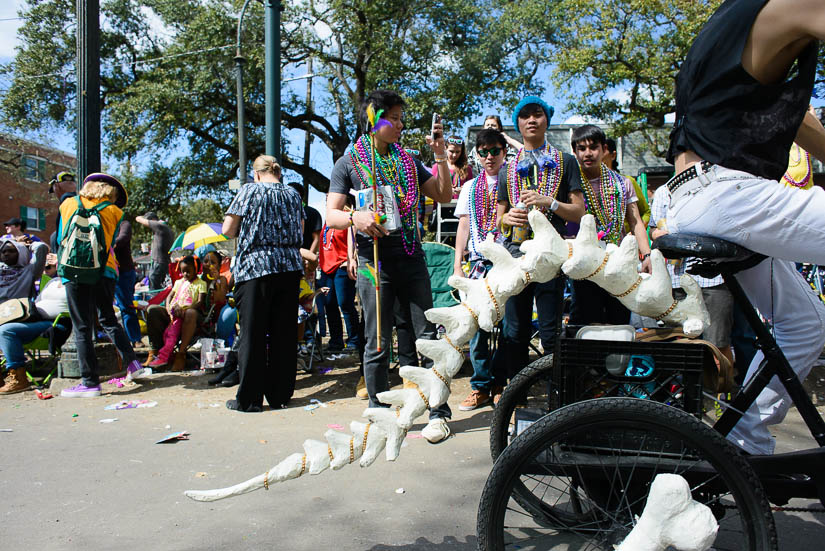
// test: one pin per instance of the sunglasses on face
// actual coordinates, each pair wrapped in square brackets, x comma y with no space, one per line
[455,141]
[494,151]
[414,152]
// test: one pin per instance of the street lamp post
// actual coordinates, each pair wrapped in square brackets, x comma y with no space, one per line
[88,88]
[239,62]
[272,44]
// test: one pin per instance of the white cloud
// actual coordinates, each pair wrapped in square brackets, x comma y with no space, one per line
[578,119]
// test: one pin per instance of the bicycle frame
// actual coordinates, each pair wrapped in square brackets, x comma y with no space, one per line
[774,469]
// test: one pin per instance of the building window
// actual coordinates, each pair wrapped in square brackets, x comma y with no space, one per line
[35,218]
[33,168]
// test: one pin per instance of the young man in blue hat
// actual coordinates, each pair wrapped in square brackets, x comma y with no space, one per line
[540,177]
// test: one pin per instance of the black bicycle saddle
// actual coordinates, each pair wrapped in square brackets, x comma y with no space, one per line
[714,255]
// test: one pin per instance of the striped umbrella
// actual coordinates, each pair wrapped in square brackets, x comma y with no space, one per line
[199,235]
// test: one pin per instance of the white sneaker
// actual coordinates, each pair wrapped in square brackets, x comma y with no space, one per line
[436,430]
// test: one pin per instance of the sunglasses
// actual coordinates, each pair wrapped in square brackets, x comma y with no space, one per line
[494,151]
[455,141]
[414,152]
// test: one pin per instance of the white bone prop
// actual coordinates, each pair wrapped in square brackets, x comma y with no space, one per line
[614,269]
[483,307]
[546,252]
[458,322]
[671,518]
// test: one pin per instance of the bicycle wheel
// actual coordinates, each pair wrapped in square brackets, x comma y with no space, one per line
[528,390]
[588,468]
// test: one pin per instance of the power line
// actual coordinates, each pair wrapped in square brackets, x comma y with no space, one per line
[12,18]
[131,63]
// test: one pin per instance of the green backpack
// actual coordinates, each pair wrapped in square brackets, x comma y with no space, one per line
[83,251]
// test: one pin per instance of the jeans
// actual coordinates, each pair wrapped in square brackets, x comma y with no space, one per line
[125,297]
[225,326]
[267,356]
[83,301]
[786,225]
[512,354]
[406,279]
[344,289]
[14,335]
[158,275]
[482,378]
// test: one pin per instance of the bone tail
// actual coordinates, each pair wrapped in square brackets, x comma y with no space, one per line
[250,485]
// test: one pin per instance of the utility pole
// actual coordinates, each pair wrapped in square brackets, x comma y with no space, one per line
[272,46]
[308,137]
[88,88]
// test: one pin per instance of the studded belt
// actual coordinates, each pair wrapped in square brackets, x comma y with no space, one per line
[686,176]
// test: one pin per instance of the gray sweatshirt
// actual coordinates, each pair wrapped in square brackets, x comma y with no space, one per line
[17,281]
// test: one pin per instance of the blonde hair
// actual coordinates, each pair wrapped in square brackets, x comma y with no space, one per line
[99,190]
[267,164]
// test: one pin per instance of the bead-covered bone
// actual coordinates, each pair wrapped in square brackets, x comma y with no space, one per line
[613,268]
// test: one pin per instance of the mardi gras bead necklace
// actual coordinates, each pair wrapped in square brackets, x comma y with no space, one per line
[550,171]
[396,169]
[800,166]
[483,211]
[609,207]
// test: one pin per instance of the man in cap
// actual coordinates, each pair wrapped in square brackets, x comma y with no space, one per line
[162,239]
[15,229]
[539,177]
[62,186]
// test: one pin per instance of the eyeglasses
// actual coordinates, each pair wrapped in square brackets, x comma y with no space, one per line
[414,152]
[494,151]
[455,141]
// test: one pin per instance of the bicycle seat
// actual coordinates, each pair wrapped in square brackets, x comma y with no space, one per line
[714,255]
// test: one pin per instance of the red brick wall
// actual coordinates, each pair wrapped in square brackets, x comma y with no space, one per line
[17,190]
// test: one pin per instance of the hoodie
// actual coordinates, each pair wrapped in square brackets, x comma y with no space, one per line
[18,281]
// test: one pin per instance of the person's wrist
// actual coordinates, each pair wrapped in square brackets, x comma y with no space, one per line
[554,205]
[440,157]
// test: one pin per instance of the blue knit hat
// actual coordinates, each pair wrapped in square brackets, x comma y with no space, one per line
[548,110]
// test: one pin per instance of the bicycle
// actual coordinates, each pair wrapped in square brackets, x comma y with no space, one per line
[578,476]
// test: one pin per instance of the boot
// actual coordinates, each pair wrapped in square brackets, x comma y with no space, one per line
[361,389]
[15,381]
[150,358]
[180,362]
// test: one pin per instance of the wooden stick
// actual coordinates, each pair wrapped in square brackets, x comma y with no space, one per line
[375,248]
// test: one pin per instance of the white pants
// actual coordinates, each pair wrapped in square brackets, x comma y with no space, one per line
[788,226]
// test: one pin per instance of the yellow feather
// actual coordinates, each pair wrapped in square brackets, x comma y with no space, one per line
[371,114]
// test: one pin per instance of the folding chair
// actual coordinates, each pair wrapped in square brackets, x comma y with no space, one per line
[50,343]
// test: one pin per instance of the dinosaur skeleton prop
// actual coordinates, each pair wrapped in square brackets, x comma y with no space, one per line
[613,268]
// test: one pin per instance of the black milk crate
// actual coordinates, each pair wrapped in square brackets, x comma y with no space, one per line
[676,380]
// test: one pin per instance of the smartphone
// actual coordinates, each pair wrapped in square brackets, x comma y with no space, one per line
[436,120]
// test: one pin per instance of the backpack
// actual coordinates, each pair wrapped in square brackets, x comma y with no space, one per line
[83,251]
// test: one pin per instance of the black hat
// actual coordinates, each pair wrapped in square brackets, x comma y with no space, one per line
[15,222]
[122,196]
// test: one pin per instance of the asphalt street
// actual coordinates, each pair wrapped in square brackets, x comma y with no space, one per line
[68,481]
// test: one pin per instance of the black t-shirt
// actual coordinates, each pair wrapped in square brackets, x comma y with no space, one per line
[570,181]
[312,224]
[344,178]
[725,115]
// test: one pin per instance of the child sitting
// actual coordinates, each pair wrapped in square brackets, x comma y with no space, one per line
[185,300]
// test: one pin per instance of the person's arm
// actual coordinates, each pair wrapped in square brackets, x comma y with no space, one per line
[316,242]
[811,136]
[352,256]
[124,236]
[142,221]
[231,225]
[461,236]
[339,219]
[198,302]
[514,143]
[638,227]
[440,189]
[39,252]
[505,218]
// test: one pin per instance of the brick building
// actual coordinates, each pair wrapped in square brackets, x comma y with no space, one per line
[25,170]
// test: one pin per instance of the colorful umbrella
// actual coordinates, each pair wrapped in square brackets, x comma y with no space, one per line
[199,235]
